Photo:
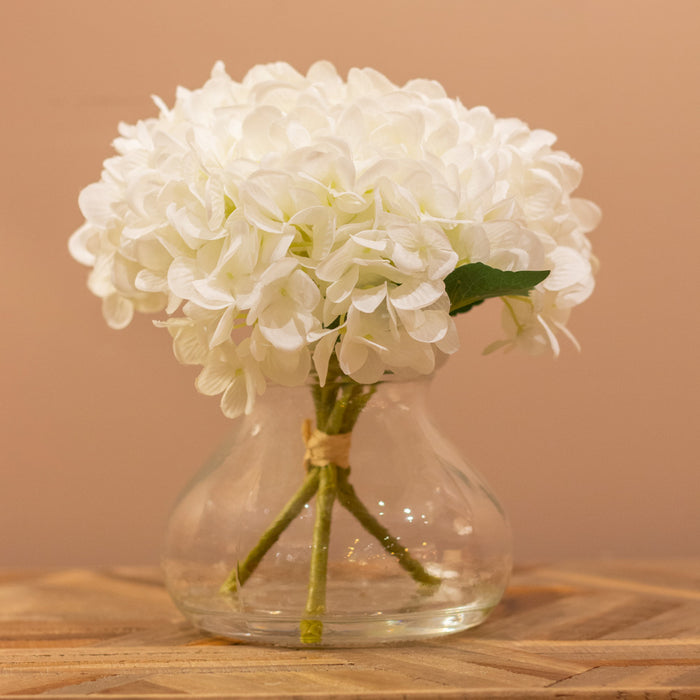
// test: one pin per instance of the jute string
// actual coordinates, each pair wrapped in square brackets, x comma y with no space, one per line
[322,449]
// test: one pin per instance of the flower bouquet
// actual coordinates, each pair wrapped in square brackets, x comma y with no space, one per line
[305,230]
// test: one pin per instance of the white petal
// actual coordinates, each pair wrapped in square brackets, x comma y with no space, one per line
[124,274]
[277,271]
[444,138]
[336,264]
[588,213]
[568,268]
[371,371]
[95,203]
[150,253]
[554,343]
[100,278]
[223,329]
[214,198]
[352,355]
[181,275]
[188,346]
[561,327]
[367,300]
[450,343]
[323,72]
[217,298]
[350,202]
[261,209]
[407,260]
[481,177]
[287,368]
[322,354]
[281,331]
[82,243]
[117,311]
[148,281]
[215,378]
[303,289]
[150,303]
[235,399]
[174,302]
[441,263]
[426,326]
[340,290]
[374,240]
[416,294]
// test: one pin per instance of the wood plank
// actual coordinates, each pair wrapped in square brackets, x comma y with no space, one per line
[578,578]
[605,652]
[568,630]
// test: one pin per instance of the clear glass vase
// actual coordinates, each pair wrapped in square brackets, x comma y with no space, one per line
[379,534]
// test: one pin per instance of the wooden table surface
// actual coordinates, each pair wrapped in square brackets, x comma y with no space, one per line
[607,629]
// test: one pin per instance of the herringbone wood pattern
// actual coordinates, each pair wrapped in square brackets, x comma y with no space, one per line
[578,630]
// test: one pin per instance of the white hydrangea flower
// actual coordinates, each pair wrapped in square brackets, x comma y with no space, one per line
[287,218]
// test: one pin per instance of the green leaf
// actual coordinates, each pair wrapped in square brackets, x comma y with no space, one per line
[469,285]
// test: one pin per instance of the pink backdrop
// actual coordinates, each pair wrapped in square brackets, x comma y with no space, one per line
[591,454]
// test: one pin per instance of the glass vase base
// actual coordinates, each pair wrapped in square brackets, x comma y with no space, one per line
[340,631]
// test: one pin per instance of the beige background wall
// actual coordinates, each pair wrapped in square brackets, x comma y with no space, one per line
[592,454]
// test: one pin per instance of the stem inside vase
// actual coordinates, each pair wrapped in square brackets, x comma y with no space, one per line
[338,405]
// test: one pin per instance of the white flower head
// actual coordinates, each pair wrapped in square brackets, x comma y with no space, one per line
[288,220]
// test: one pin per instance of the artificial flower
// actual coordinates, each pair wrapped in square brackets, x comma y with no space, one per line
[290,221]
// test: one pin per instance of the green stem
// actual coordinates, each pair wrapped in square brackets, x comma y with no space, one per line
[335,422]
[358,400]
[348,499]
[324,400]
[338,406]
[311,628]
[242,572]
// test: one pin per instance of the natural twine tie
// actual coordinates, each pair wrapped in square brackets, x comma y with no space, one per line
[322,449]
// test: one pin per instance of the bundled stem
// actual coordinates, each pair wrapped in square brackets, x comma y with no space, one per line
[338,406]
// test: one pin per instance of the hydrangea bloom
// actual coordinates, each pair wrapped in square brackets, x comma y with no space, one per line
[289,219]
